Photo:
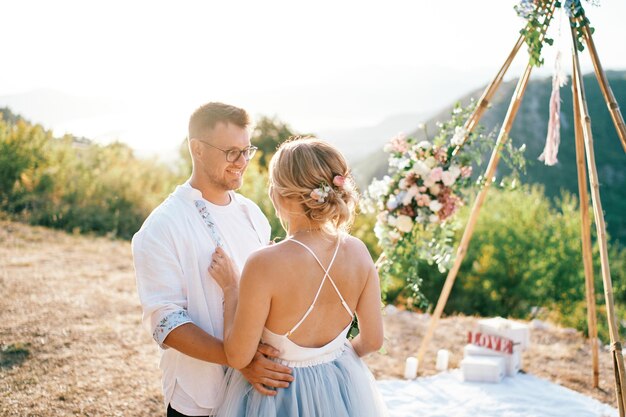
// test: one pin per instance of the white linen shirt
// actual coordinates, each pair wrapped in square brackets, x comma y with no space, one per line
[172,253]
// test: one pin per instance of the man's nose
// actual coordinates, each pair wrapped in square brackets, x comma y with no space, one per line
[241,161]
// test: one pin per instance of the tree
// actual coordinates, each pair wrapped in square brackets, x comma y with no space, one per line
[268,133]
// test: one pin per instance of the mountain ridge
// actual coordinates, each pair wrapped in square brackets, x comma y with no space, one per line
[530,128]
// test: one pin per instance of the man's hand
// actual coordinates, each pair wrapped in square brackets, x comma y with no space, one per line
[263,372]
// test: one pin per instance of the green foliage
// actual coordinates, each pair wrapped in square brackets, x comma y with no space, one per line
[268,134]
[539,13]
[77,185]
[538,19]
[526,252]
[255,188]
[21,149]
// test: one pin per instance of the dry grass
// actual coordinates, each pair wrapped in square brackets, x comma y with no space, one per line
[72,344]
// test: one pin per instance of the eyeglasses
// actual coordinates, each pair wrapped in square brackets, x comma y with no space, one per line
[233,155]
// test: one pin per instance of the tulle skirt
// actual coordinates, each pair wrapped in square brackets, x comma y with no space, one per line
[341,386]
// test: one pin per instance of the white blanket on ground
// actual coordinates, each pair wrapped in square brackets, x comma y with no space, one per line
[525,395]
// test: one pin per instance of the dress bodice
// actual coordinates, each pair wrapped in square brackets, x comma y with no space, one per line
[292,354]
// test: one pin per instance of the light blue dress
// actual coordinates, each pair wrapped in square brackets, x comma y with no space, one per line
[328,381]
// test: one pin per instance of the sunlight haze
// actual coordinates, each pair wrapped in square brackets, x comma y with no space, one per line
[134,71]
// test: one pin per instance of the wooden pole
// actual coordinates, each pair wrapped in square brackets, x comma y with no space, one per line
[616,346]
[585,237]
[469,229]
[484,101]
[480,198]
[616,115]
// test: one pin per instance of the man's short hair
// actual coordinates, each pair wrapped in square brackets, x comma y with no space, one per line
[204,119]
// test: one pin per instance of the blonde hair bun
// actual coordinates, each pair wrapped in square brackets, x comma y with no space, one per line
[316,174]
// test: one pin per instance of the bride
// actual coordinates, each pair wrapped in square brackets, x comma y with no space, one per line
[300,295]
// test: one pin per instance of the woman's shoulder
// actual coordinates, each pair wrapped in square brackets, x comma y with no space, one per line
[269,256]
[356,246]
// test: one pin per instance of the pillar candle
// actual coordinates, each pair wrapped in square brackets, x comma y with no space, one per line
[442,360]
[410,368]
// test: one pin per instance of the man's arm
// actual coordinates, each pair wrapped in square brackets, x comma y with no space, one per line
[195,342]
[159,284]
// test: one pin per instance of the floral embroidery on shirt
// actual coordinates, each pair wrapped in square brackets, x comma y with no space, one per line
[169,323]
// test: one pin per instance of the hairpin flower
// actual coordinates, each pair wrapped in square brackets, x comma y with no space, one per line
[343,183]
[320,193]
[339,181]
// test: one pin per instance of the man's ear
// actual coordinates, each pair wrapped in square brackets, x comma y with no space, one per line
[195,148]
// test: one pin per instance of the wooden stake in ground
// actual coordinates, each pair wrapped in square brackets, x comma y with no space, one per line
[488,178]
[469,229]
[616,347]
[585,228]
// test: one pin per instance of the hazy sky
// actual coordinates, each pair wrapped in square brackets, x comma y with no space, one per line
[316,65]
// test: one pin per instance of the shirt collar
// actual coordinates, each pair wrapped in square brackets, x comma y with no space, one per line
[187,192]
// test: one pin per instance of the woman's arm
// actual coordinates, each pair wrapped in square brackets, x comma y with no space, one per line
[368,311]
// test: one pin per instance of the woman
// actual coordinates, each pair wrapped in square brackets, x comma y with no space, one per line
[300,295]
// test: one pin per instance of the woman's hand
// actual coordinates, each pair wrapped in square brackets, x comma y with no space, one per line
[223,270]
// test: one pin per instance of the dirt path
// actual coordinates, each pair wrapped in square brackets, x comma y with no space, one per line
[72,344]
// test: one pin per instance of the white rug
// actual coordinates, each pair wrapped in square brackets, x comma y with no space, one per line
[446,395]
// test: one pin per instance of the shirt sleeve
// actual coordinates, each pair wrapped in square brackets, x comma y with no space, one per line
[167,324]
[160,281]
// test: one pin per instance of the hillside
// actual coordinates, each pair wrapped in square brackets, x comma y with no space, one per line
[71,341]
[530,128]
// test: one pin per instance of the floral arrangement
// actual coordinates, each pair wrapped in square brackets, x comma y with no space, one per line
[417,202]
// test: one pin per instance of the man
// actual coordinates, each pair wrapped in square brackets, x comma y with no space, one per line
[182,304]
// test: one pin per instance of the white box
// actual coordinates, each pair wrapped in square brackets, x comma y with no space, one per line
[483,368]
[517,332]
[512,362]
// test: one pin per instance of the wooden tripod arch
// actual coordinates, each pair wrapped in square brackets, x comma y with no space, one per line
[584,152]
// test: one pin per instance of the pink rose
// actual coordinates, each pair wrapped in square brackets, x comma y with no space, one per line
[339,181]
[435,174]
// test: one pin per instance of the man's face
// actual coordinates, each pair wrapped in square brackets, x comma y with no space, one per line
[214,167]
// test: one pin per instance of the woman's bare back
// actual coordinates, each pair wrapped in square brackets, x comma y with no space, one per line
[295,277]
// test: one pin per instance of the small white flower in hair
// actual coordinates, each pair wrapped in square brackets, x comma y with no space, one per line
[320,193]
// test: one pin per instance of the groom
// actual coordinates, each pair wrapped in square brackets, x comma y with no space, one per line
[182,307]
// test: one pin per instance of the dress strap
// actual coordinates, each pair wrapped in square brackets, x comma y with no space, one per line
[319,290]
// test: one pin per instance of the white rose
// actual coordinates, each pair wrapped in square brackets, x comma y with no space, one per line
[430,162]
[433,218]
[459,136]
[394,235]
[408,197]
[425,144]
[391,220]
[421,169]
[402,184]
[447,178]
[392,204]
[404,223]
[435,206]
[455,171]
[379,231]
